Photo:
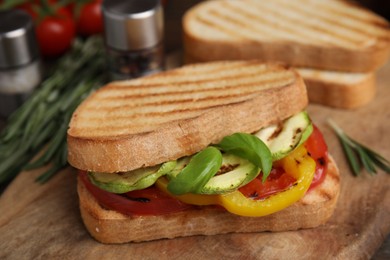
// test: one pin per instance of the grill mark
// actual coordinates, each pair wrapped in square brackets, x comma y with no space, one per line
[332,179]
[383,25]
[227,31]
[321,192]
[304,29]
[237,21]
[326,21]
[249,88]
[127,129]
[166,102]
[329,5]
[152,114]
[191,104]
[325,194]
[197,81]
[290,32]
[355,19]
[335,7]
[339,35]
[132,126]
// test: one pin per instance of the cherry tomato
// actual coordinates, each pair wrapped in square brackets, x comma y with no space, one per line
[54,26]
[90,21]
[55,33]
[150,201]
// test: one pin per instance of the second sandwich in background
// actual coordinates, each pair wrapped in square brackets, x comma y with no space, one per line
[337,50]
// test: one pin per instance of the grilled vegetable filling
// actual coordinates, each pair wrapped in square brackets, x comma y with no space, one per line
[248,175]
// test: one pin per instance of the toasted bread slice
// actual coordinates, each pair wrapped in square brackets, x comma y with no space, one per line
[108,226]
[339,89]
[330,35]
[143,122]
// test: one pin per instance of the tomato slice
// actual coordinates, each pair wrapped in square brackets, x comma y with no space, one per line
[150,201]
[277,180]
[318,150]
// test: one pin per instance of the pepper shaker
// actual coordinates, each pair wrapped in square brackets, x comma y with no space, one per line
[20,65]
[133,32]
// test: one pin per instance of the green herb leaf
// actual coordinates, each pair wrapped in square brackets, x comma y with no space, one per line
[201,168]
[359,155]
[250,148]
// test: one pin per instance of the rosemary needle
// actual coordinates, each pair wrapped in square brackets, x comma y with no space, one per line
[358,155]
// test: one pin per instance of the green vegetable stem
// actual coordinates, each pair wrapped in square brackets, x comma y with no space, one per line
[359,155]
[40,124]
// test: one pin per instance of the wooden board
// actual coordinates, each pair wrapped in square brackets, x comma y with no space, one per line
[43,221]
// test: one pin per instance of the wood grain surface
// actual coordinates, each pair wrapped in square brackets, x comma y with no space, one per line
[43,221]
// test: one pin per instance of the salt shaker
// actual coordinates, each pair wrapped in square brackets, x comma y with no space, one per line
[20,65]
[133,32]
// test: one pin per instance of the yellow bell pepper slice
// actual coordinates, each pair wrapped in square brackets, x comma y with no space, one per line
[298,164]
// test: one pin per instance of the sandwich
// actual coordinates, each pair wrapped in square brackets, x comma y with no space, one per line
[337,45]
[206,149]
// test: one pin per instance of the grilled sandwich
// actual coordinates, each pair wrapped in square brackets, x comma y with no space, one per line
[199,150]
[322,36]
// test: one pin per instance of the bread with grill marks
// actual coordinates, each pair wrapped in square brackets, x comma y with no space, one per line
[144,122]
[131,124]
[329,35]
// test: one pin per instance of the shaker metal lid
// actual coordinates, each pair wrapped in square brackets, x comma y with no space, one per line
[132,24]
[18,45]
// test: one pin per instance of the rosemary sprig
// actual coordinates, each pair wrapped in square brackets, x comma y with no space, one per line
[359,155]
[40,124]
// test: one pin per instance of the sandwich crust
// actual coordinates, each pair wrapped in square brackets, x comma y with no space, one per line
[108,226]
[144,122]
